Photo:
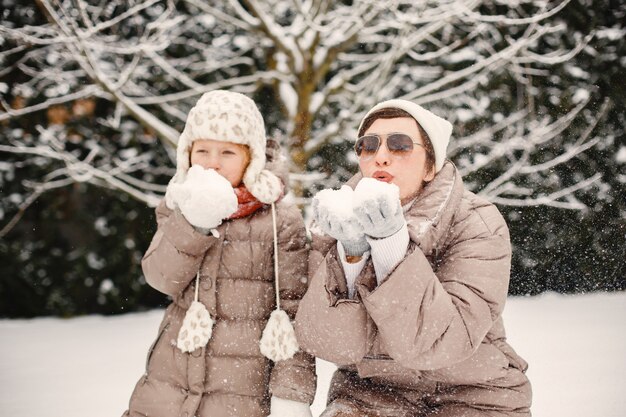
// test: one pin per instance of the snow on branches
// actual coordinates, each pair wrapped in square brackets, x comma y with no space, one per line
[323,64]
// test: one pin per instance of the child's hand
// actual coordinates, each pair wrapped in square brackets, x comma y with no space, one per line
[205,198]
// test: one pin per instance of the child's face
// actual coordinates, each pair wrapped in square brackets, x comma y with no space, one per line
[230,160]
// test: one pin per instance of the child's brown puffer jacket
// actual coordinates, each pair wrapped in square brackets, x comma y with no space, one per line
[230,377]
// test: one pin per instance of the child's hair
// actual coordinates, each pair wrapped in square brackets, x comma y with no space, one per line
[393,113]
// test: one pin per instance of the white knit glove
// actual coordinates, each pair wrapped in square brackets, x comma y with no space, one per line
[377,208]
[333,214]
[205,198]
[288,408]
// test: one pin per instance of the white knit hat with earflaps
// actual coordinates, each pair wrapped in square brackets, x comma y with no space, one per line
[227,116]
[232,117]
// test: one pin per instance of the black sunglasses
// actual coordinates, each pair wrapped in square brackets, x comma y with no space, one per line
[398,144]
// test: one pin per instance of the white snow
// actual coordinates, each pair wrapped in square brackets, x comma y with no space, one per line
[577,72]
[338,204]
[88,366]
[465,54]
[372,189]
[289,97]
[620,156]
[580,95]
[338,201]
[611,34]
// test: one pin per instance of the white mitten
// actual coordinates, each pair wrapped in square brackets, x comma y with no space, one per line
[279,338]
[288,408]
[205,198]
[333,215]
[377,207]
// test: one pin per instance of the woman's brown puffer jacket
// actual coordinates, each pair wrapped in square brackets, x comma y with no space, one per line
[433,327]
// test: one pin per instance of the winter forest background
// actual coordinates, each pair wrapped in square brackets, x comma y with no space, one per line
[93,93]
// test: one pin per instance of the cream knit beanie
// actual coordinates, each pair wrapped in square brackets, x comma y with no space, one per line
[230,117]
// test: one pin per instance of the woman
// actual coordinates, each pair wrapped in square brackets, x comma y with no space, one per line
[407,292]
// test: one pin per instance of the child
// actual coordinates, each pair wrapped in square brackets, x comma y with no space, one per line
[214,253]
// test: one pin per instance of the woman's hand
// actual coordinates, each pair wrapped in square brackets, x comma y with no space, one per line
[205,198]
[333,215]
[377,208]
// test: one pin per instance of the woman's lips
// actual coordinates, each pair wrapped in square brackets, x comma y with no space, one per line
[383,176]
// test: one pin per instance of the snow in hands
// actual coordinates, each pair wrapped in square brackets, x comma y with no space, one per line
[341,204]
[369,189]
[205,198]
[338,206]
[377,207]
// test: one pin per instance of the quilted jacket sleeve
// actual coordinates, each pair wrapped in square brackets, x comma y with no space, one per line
[295,378]
[330,325]
[175,253]
[429,320]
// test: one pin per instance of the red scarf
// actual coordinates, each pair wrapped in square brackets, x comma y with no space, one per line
[248,203]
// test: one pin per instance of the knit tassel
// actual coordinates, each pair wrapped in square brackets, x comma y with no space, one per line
[197,325]
[278,341]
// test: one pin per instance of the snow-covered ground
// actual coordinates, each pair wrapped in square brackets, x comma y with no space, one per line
[87,366]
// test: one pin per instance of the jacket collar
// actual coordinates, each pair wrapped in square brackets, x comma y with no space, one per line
[432,212]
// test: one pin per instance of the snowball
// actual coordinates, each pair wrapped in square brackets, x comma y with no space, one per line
[372,189]
[205,198]
[337,206]
[337,201]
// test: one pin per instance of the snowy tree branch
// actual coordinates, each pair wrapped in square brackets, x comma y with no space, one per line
[552,199]
[11,113]
[326,63]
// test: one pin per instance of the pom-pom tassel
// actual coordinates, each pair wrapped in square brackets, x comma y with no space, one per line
[196,329]
[197,325]
[279,342]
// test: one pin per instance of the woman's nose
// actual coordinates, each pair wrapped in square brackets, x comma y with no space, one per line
[382,157]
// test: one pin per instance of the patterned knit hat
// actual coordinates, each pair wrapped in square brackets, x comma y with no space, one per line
[229,117]
[438,129]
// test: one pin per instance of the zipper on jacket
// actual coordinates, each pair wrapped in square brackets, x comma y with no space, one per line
[378,357]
